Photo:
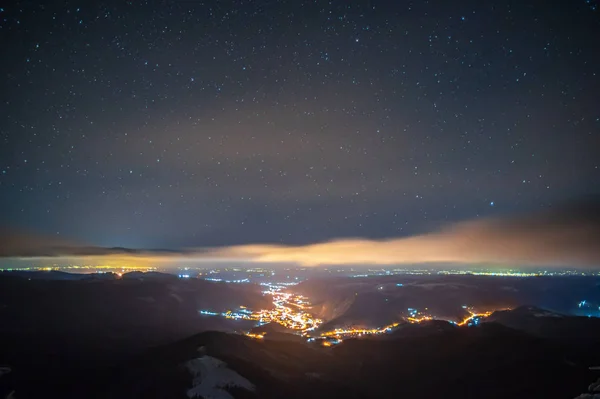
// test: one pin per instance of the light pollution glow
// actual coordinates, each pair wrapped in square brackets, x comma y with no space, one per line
[547,239]
[293,312]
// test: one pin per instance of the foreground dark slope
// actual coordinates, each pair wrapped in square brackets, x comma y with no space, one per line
[417,361]
[97,346]
[489,361]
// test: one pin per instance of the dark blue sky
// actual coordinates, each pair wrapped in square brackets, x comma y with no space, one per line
[176,124]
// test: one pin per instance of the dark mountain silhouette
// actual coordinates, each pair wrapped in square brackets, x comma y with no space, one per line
[490,361]
[137,275]
[126,338]
[572,330]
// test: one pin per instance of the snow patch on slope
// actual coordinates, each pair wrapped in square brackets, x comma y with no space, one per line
[593,389]
[211,376]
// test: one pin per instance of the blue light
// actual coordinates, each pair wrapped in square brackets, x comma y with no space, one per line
[208,313]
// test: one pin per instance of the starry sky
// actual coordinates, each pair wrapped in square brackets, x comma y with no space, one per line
[178,124]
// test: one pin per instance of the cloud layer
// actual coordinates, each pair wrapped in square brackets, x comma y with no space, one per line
[563,236]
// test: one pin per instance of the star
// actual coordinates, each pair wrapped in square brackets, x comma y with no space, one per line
[309,121]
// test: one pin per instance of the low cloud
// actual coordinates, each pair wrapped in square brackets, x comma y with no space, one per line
[563,236]
[486,241]
[17,243]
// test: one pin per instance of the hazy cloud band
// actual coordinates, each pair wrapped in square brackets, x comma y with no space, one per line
[564,236]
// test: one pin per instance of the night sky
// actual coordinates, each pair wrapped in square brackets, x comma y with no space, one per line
[179,124]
